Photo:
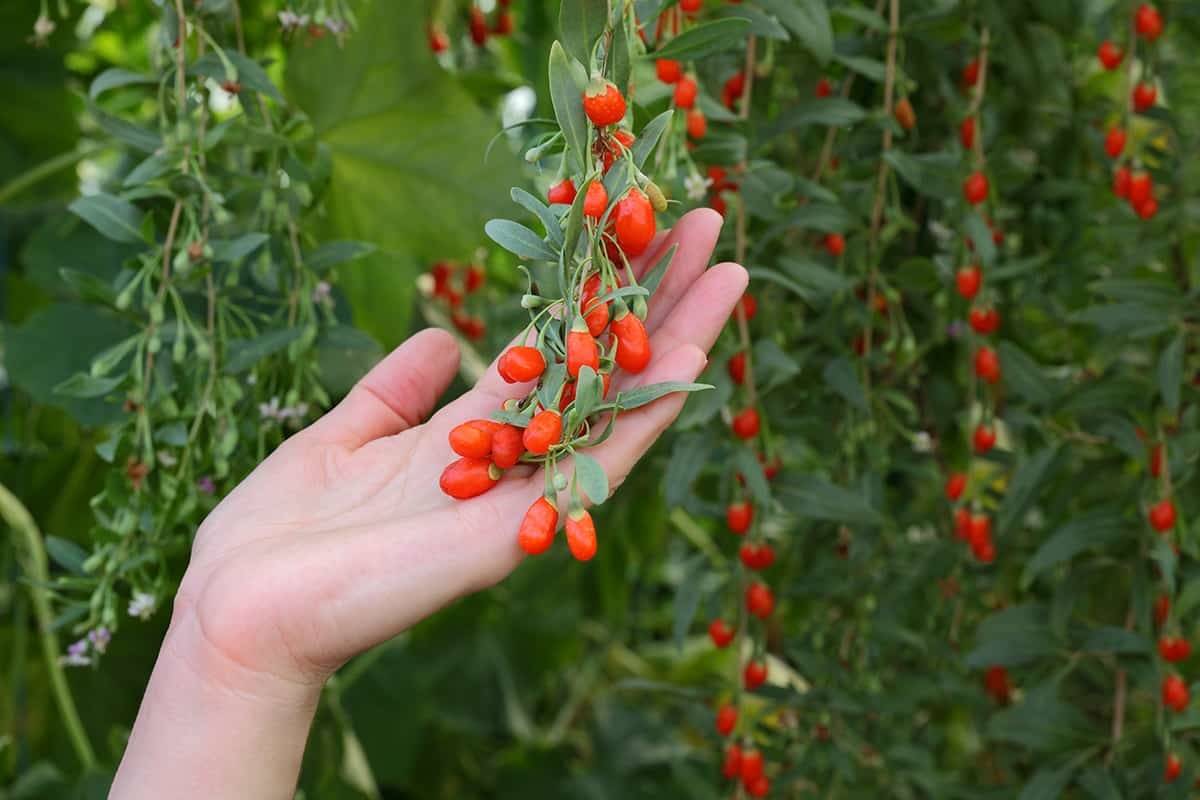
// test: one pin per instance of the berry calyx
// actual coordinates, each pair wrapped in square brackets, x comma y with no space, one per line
[1114,142]
[975,188]
[984,438]
[1110,55]
[968,280]
[739,516]
[603,103]
[1148,22]
[753,676]
[835,243]
[468,477]
[721,633]
[562,192]
[1162,515]
[685,93]
[536,533]
[746,424]
[543,432]
[582,350]
[581,534]
[987,364]
[956,484]
[727,717]
[634,222]
[633,343]
[595,201]
[668,70]
[520,364]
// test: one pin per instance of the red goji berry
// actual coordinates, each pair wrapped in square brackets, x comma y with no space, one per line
[520,364]
[753,676]
[738,517]
[473,439]
[543,432]
[727,717]
[633,343]
[536,533]
[507,446]
[582,350]
[721,633]
[746,424]
[603,104]
[634,222]
[468,477]
[562,192]
[581,534]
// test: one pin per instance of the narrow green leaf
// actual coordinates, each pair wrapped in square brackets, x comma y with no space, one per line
[705,39]
[656,273]
[331,254]
[1013,636]
[1170,374]
[842,377]
[621,57]
[539,209]
[581,22]
[813,497]
[587,392]
[747,464]
[66,554]
[809,21]
[1028,482]
[85,385]
[1048,783]
[687,598]
[652,131]
[870,68]
[1092,529]
[644,395]
[242,354]
[116,77]
[831,111]
[518,240]
[230,250]
[981,236]
[117,219]
[591,476]
[566,95]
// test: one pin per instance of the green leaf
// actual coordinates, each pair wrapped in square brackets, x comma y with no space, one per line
[809,21]
[232,250]
[761,24]
[252,76]
[1029,481]
[656,273]
[1136,320]
[1170,374]
[574,223]
[831,111]
[863,16]
[117,219]
[1014,636]
[705,39]
[587,392]
[331,254]
[242,354]
[842,377]
[1099,785]
[1088,530]
[1112,639]
[981,236]
[1048,783]
[933,174]
[1044,723]
[773,367]
[652,131]
[539,209]
[870,68]
[814,277]
[66,554]
[126,132]
[1025,376]
[621,56]
[745,462]
[644,395]
[812,497]
[519,240]
[116,77]
[688,457]
[84,385]
[687,598]
[405,160]
[89,287]
[567,98]
[591,476]
[581,22]
[764,274]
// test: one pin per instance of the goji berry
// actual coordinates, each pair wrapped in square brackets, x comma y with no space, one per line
[749,306]
[634,222]
[984,438]
[721,633]
[543,432]
[595,201]
[1162,515]
[975,188]
[507,446]
[1156,460]
[970,73]
[536,533]
[968,280]
[633,343]
[1172,768]
[727,717]
[1174,649]
[754,676]
[603,104]
[582,350]
[984,321]
[1114,142]
[1110,55]
[595,313]
[581,534]
[1145,95]
[956,484]
[738,517]
[685,92]
[737,367]
[1175,694]
[987,364]
[439,42]
[1148,22]
[962,523]
[731,767]
[1162,609]
[760,600]
[473,439]
[905,115]
[1121,180]
[468,477]
[668,70]
[824,88]
[966,133]
[746,424]
[759,787]
[835,243]
[697,124]
[562,192]
[520,364]
[752,765]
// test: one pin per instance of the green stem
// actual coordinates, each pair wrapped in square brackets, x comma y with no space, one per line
[32,554]
[47,168]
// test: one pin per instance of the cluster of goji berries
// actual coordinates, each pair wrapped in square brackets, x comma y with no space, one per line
[1131,182]
[599,215]
[451,284]
[478,27]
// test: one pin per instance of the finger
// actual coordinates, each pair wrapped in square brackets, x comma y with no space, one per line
[395,395]
[696,235]
[699,316]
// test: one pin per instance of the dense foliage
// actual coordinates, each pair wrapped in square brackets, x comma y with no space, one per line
[930,533]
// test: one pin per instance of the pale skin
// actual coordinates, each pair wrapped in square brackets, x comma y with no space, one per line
[342,539]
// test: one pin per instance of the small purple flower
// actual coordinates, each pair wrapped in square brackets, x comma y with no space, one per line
[76,655]
[100,637]
[206,485]
[955,329]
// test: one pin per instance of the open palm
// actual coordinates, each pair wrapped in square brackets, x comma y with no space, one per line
[342,538]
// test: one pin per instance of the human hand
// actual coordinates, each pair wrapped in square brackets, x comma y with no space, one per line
[342,538]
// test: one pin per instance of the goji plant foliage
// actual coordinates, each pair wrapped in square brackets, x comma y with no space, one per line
[927,531]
